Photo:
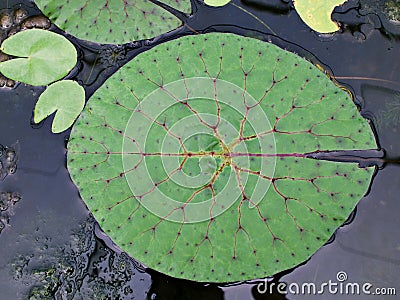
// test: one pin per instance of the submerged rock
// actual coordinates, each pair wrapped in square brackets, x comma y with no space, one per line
[9,155]
[19,15]
[6,21]
[6,82]
[3,57]
[36,22]
[7,203]
[2,226]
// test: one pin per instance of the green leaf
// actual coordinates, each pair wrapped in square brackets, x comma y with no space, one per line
[317,14]
[216,2]
[193,158]
[44,57]
[113,21]
[66,98]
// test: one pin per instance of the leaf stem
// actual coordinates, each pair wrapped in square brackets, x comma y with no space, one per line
[253,16]
[367,78]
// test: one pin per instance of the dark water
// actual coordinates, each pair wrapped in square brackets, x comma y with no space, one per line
[52,249]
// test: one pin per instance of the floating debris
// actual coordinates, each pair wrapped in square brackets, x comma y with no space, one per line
[83,269]
[388,116]
[111,56]
[391,9]
[7,202]
[387,11]
[9,198]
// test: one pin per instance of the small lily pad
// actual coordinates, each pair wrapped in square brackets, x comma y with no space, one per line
[317,14]
[43,57]
[216,2]
[66,98]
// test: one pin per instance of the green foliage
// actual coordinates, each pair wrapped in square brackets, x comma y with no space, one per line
[66,98]
[113,21]
[221,123]
[43,57]
[387,10]
[317,14]
[391,9]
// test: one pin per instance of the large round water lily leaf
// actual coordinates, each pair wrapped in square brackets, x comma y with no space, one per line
[193,158]
[113,21]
